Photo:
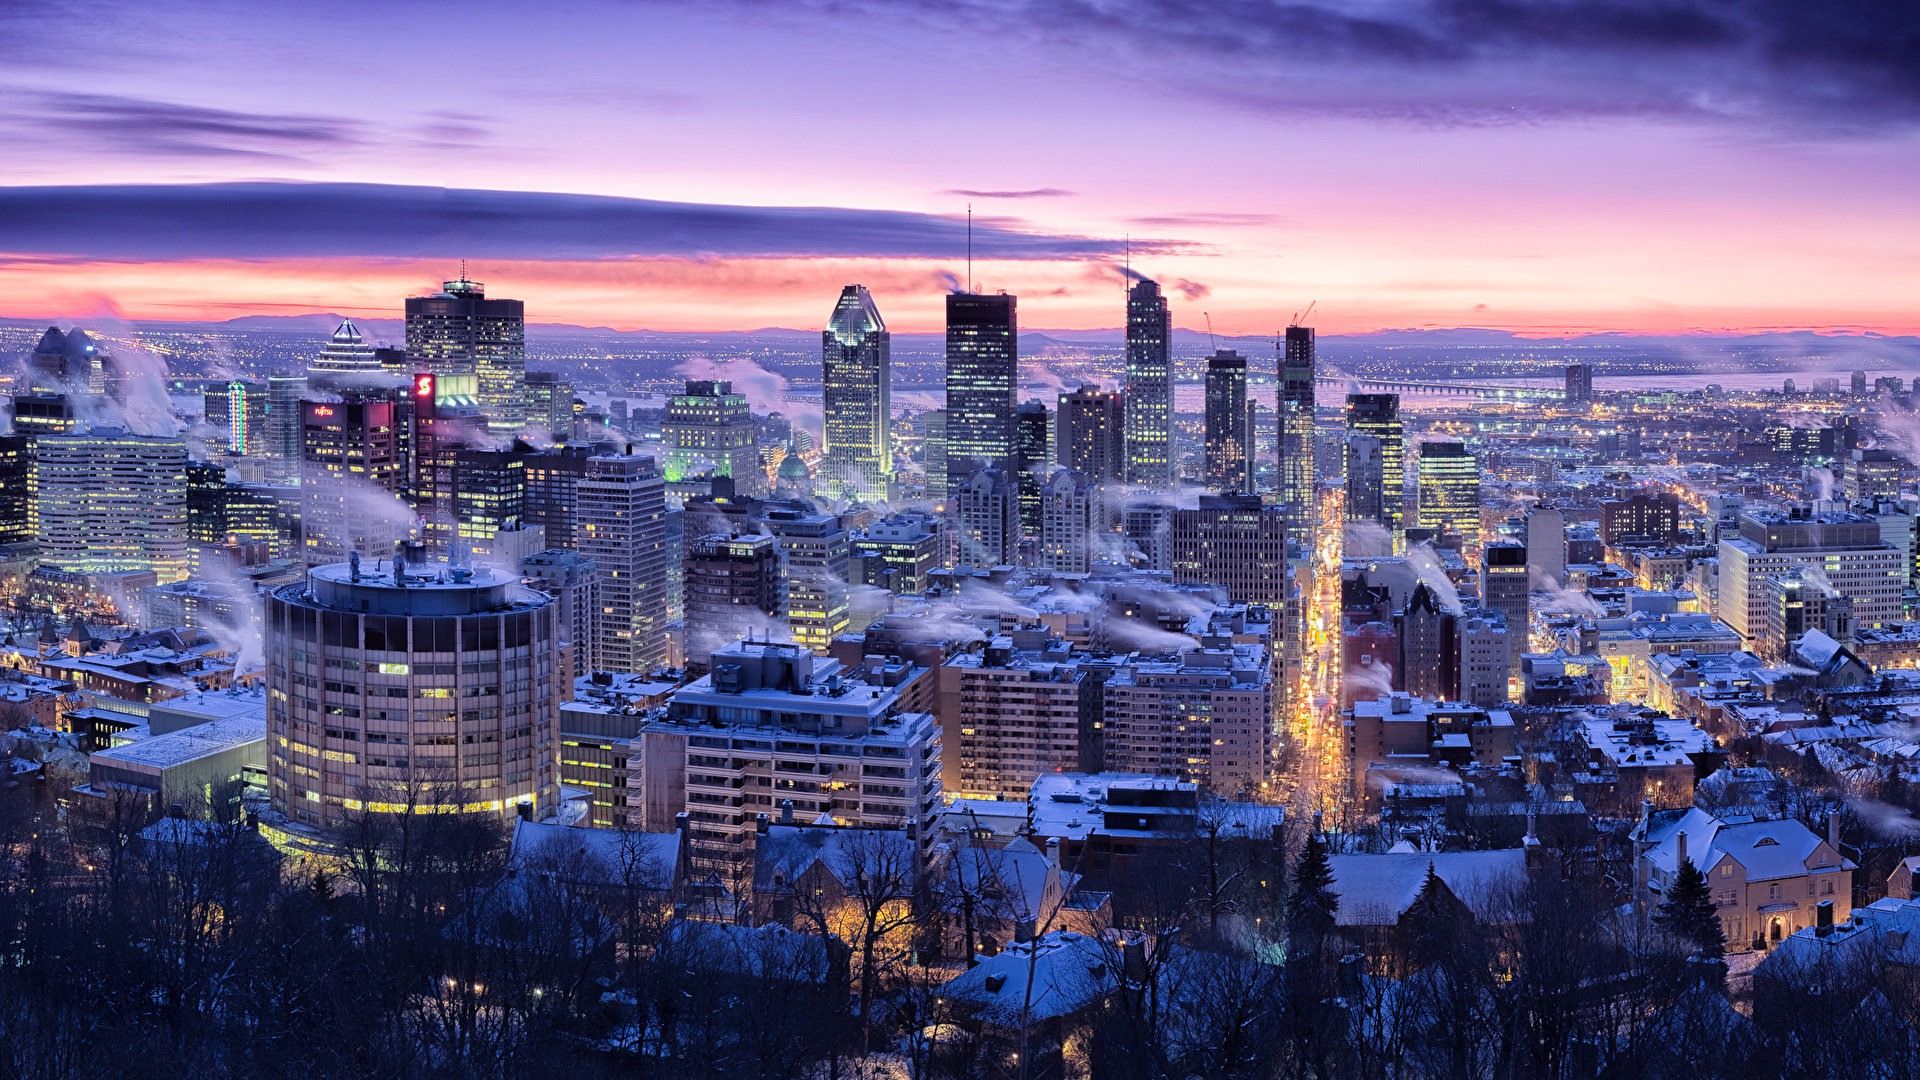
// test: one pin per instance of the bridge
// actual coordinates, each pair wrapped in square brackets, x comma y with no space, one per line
[1412,386]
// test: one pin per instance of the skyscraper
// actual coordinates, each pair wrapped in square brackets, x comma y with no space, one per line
[18,489]
[458,331]
[983,360]
[574,584]
[1238,541]
[1090,434]
[621,525]
[1504,587]
[241,408]
[1580,384]
[1033,460]
[1073,518]
[1229,455]
[417,689]
[1449,496]
[352,479]
[1149,414]
[1297,426]
[732,592]
[988,506]
[1378,416]
[550,404]
[858,398]
[346,353]
[1366,481]
[111,501]
[709,431]
[284,418]
[814,554]
[1429,647]
[933,439]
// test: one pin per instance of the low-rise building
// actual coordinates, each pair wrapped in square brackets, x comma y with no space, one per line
[1767,876]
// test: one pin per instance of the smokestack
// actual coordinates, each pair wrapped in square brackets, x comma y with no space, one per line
[1833,830]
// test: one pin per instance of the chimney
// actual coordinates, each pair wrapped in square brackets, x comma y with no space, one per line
[1053,850]
[1134,960]
[1679,852]
[786,811]
[1823,918]
[1833,830]
[760,824]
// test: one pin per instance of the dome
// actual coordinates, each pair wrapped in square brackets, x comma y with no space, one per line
[795,469]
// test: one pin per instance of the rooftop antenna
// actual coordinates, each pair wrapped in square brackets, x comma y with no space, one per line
[1128,276]
[463,269]
[969,247]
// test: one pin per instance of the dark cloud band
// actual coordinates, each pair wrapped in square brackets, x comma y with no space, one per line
[295,220]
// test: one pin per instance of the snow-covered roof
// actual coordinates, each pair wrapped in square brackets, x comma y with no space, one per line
[1766,849]
[1068,972]
[1375,889]
[597,856]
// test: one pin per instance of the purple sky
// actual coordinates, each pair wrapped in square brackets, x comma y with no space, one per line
[1536,166]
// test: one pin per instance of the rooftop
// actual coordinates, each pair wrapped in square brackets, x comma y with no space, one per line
[187,744]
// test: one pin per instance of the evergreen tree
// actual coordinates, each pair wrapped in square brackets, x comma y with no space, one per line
[1430,921]
[1688,913]
[1311,905]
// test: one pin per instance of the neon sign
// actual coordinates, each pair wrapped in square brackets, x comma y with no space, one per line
[423,386]
[322,411]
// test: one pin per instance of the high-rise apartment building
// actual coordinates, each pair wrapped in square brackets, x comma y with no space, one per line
[1579,384]
[1012,713]
[110,501]
[1378,416]
[1504,587]
[1297,425]
[574,583]
[458,331]
[1449,491]
[983,365]
[1203,716]
[414,689]
[550,405]
[1229,430]
[346,353]
[987,505]
[1033,460]
[1644,518]
[899,554]
[858,398]
[1090,434]
[1487,657]
[1073,522]
[814,554]
[732,590]
[933,440]
[1150,447]
[709,431]
[352,479]
[621,524]
[1844,549]
[1238,541]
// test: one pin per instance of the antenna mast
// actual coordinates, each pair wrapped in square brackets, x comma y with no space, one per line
[969,247]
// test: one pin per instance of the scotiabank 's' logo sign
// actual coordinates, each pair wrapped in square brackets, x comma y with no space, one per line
[423,386]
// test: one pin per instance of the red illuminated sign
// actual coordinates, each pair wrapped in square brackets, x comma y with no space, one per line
[323,411]
[423,386]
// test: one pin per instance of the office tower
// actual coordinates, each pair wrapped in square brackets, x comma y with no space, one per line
[71,363]
[933,428]
[1090,434]
[1366,484]
[1870,475]
[1859,384]
[983,362]
[574,583]
[858,398]
[40,414]
[1297,426]
[240,409]
[489,496]
[1146,530]
[1429,664]
[410,689]
[220,513]
[445,418]
[621,525]
[1847,548]
[458,331]
[1149,412]
[1033,460]
[110,501]
[346,353]
[1238,541]
[1487,657]
[550,405]
[352,478]
[899,554]
[1449,493]
[1547,545]
[814,554]
[18,489]
[1378,416]
[553,492]
[1580,384]
[284,426]
[732,591]
[1073,522]
[206,506]
[1229,454]
[617,412]
[1504,587]
[1798,603]
[709,431]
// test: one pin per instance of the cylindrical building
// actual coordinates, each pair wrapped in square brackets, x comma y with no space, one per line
[412,688]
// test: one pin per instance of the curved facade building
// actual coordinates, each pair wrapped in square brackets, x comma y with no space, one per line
[413,688]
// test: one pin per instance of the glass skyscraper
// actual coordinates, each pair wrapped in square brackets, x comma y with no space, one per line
[1384,500]
[983,362]
[458,331]
[710,432]
[857,398]
[1296,425]
[1229,456]
[1450,491]
[1149,409]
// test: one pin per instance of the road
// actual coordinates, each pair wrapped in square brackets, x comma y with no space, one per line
[1318,779]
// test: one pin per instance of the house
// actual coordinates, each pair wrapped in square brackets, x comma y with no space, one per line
[1042,994]
[803,873]
[989,896]
[1832,663]
[1376,891]
[603,860]
[1766,874]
